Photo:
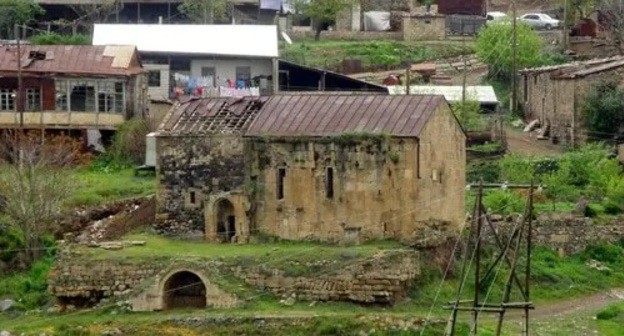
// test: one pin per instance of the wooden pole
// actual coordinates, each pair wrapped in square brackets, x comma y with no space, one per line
[514,64]
[408,79]
[527,276]
[20,80]
[479,222]
[565,25]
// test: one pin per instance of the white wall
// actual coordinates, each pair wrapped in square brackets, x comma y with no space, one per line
[226,68]
[160,92]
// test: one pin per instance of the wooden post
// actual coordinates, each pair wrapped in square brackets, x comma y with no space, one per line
[514,64]
[408,79]
[20,80]
[527,275]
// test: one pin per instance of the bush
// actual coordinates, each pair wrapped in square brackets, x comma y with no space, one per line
[128,147]
[604,253]
[58,39]
[468,114]
[603,110]
[11,241]
[489,171]
[503,202]
[517,169]
[610,313]
[29,289]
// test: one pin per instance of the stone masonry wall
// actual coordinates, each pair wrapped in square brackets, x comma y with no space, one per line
[189,169]
[96,280]
[566,233]
[384,279]
[424,28]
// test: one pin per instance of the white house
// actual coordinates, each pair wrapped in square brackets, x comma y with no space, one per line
[207,60]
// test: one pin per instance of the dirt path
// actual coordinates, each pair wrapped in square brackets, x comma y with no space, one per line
[575,305]
[521,143]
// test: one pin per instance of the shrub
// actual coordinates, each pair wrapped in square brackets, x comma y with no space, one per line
[54,38]
[128,147]
[610,313]
[604,252]
[517,169]
[503,202]
[489,171]
[603,109]
[467,113]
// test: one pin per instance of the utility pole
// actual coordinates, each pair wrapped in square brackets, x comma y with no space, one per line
[464,80]
[514,64]
[408,79]
[509,250]
[20,81]
[565,25]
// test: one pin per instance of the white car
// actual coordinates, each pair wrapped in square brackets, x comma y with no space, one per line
[540,21]
[495,16]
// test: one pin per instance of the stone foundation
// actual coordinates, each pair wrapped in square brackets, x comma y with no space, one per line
[566,233]
[383,280]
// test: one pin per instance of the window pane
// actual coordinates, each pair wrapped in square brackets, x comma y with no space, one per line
[153,78]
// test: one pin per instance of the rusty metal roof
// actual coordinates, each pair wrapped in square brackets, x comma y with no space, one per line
[327,115]
[72,59]
[199,116]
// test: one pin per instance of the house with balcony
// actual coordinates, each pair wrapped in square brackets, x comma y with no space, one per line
[200,60]
[70,87]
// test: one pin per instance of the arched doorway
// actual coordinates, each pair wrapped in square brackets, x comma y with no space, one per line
[184,290]
[226,221]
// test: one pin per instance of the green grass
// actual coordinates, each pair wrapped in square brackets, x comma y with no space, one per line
[374,55]
[96,188]
[290,255]
[27,289]
[611,320]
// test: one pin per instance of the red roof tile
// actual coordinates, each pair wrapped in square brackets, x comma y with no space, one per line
[326,115]
[72,59]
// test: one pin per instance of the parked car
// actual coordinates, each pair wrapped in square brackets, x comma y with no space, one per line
[540,21]
[495,16]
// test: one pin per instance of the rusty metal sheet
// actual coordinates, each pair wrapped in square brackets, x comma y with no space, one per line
[75,59]
[326,115]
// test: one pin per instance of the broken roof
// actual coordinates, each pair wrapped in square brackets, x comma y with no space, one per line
[484,94]
[578,69]
[200,116]
[72,59]
[227,40]
[328,115]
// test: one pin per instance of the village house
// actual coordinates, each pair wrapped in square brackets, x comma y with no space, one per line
[203,60]
[554,95]
[340,168]
[71,87]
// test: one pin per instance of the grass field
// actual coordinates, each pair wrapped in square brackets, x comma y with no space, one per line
[374,55]
[95,187]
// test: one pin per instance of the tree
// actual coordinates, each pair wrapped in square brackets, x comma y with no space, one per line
[14,12]
[493,47]
[204,11]
[582,8]
[322,12]
[34,183]
[612,20]
[603,110]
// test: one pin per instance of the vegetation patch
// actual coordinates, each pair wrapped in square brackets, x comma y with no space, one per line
[373,55]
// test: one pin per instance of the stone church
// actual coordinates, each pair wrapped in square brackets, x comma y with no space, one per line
[338,168]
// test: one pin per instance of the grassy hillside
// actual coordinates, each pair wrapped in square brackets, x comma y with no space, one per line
[374,55]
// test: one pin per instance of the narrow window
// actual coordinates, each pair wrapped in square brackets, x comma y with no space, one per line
[33,100]
[209,74]
[7,99]
[281,175]
[192,197]
[329,183]
[418,159]
[153,78]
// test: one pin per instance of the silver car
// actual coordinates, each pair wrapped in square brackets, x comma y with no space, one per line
[540,21]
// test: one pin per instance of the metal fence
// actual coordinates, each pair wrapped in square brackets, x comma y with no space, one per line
[464,24]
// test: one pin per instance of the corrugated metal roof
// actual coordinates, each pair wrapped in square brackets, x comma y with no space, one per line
[71,59]
[199,116]
[229,40]
[483,94]
[574,66]
[327,115]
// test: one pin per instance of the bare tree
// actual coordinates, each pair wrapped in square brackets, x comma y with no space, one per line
[611,18]
[34,183]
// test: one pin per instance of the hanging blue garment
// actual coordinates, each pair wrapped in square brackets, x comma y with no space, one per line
[275,5]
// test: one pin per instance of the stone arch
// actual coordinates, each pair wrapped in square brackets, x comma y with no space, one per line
[184,289]
[226,219]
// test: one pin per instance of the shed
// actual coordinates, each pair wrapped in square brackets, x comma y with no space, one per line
[484,94]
